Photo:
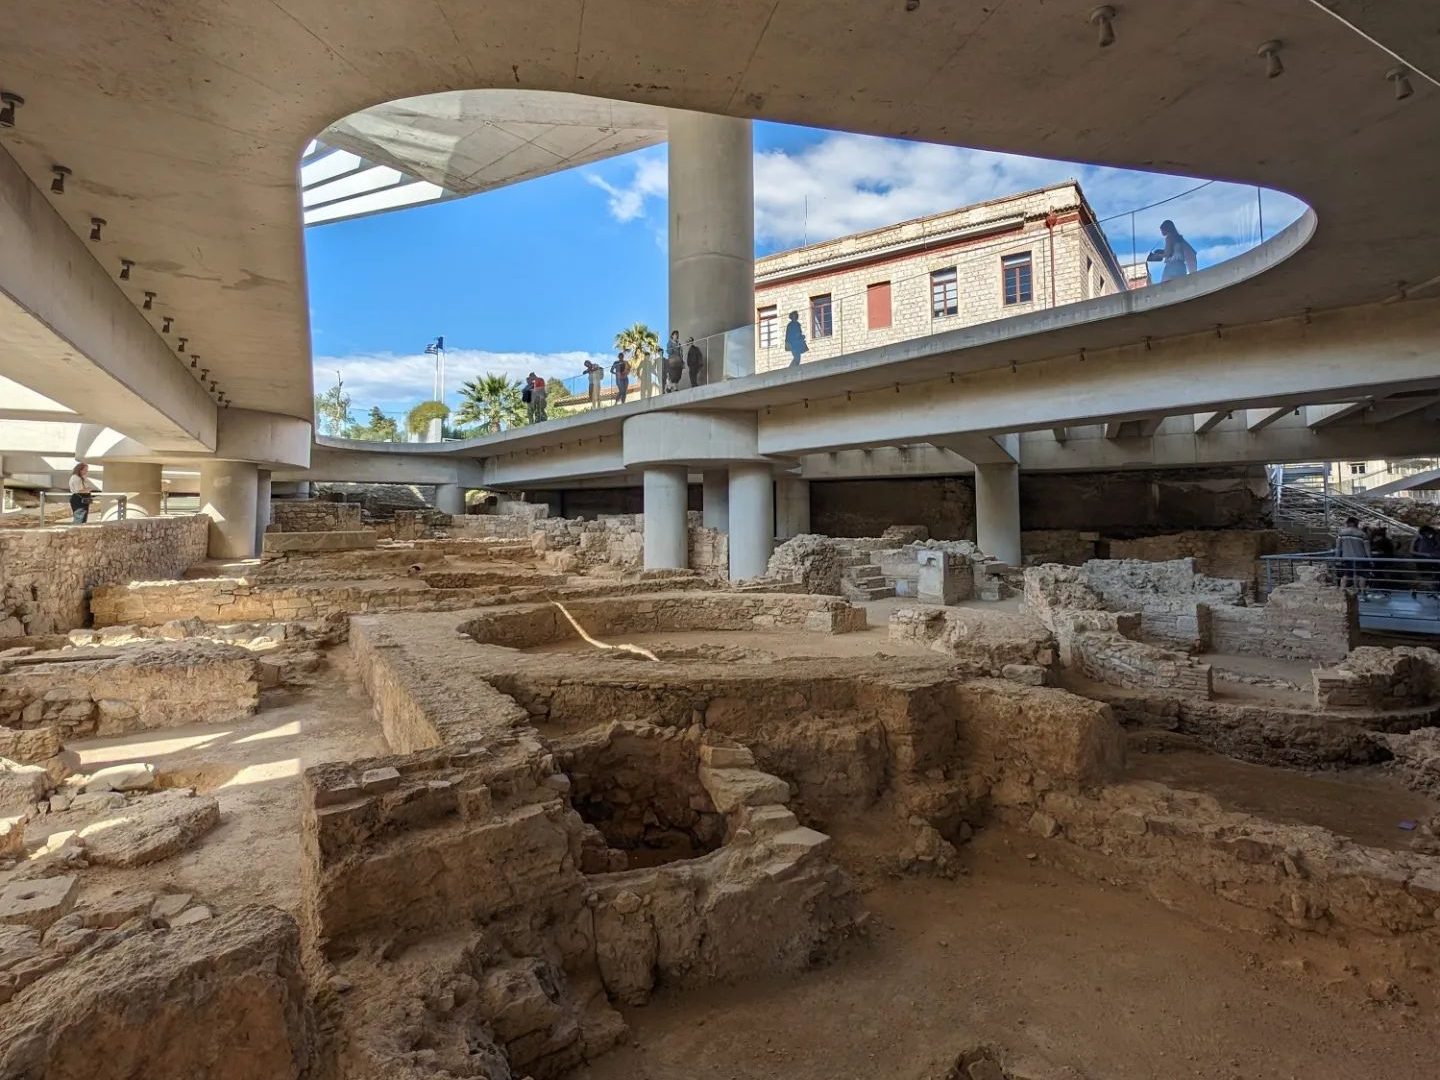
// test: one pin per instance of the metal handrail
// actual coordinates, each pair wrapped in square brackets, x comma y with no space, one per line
[121,502]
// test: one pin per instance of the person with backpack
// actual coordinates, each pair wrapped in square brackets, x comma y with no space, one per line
[527,396]
[795,339]
[621,370]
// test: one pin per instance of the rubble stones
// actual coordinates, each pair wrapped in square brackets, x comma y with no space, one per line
[151,829]
[135,776]
[809,562]
[38,902]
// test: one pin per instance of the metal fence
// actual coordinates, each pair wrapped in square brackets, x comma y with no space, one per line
[1400,595]
[115,513]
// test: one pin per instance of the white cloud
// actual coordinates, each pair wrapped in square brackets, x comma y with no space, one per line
[650,180]
[397,382]
[848,183]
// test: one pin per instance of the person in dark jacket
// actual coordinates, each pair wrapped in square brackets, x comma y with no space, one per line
[695,361]
[795,339]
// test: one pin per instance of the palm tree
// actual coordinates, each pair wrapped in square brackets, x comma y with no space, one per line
[492,402]
[638,340]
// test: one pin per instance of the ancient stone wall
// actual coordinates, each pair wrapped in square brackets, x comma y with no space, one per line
[1174,602]
[313,515]
[993,641]
[88,692]
[810,562]
[616,541]
[1069,547]
[1217,553]
[1109,657]
[46,575]
[1376,678]
[1305,620]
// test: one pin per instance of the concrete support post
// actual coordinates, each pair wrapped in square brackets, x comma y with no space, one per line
[752,520]
[712,224]
[228,493]
[139,482]
[792,507]
[667,538]
[450,499]
[262,507]
[715,499]
[997,511]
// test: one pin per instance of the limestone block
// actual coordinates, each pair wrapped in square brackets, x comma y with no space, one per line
[151,829]
[39,902]
[730,789]
[135,776]
[12,837]
[21,786]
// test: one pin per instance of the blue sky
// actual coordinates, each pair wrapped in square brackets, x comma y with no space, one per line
[542,274]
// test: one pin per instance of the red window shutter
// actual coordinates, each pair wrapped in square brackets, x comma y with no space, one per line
[877,305]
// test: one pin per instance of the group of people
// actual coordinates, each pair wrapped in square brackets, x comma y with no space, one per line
[667,368]
[1370,559]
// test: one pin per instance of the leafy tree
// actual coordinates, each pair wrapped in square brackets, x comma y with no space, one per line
[638,340]
[492,402]
[332,408]
[377,428]
[417,420]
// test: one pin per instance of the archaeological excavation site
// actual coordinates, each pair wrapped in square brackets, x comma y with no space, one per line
[415,796]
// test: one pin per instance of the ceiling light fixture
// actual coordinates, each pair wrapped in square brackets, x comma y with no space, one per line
[125,265]
[149,301]
[1400,76]
[204,372]
[180,345]
[1271,53]
[1103,18]
[10,103]
[57,185]
[167,323]
[96,224]
[212,385]
[912,5]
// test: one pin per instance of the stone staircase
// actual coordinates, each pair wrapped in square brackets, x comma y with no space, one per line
[861,579]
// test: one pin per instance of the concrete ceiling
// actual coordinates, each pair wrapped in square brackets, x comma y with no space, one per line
[183,122]
[467,141]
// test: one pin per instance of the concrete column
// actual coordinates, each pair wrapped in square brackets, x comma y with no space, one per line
[752,520]
[715,499]
[792,507]
[667,540]
[712,224]
[262,507]
[139,482]
[450,499]
[228,493]
[997,511]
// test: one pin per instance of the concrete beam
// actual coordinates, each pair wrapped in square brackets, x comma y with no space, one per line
[1148,426]
[983,449]
[1275,365]
[1113,428]
[1208,421]
[1383,412]
[69,333]
[1260,419]
[1321,415]
[1060,433]
[328,463]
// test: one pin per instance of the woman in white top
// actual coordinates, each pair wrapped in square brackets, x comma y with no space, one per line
[80,492]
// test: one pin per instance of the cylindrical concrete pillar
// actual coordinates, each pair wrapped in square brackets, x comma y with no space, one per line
[752,520]
[667,541]
[997,511]
[712,224]
[228,493]
[262,507]
[715,499]
[139,482]
[792,507]
[450,499]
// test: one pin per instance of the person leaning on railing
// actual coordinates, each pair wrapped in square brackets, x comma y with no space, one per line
[1425,548]
[81,492]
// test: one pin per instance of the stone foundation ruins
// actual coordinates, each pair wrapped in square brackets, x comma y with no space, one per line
[527,787]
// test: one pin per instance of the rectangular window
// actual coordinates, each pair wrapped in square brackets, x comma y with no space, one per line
[1357,468]
[1015,273]
[1086,283]
[822,322]
[766,318]
[877,305]
[944,293]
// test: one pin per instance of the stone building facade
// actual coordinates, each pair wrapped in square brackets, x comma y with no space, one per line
[994,259]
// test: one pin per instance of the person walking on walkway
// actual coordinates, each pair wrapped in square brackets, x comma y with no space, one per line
[1352,549]
[674,362]
[695,361]
[81,492]
[527,395]
[1425,549]
[1177,257]
[795,339]
[645,367]
[537,399]
[597,376]
[621,370]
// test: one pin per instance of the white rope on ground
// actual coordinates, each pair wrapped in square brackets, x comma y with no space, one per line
[636,649]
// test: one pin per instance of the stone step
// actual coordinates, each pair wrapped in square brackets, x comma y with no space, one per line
[847,561]
[878,592]
[869,581]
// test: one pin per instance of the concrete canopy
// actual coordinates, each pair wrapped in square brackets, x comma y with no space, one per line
[463,142]
[182,123]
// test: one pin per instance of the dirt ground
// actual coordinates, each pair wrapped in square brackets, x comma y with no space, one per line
[1065,978]
[253,770]
[788,645]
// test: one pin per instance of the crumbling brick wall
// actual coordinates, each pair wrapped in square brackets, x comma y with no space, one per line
[1217,553]
[48,574]
[313,515]
[1305,620]
[1375,678]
